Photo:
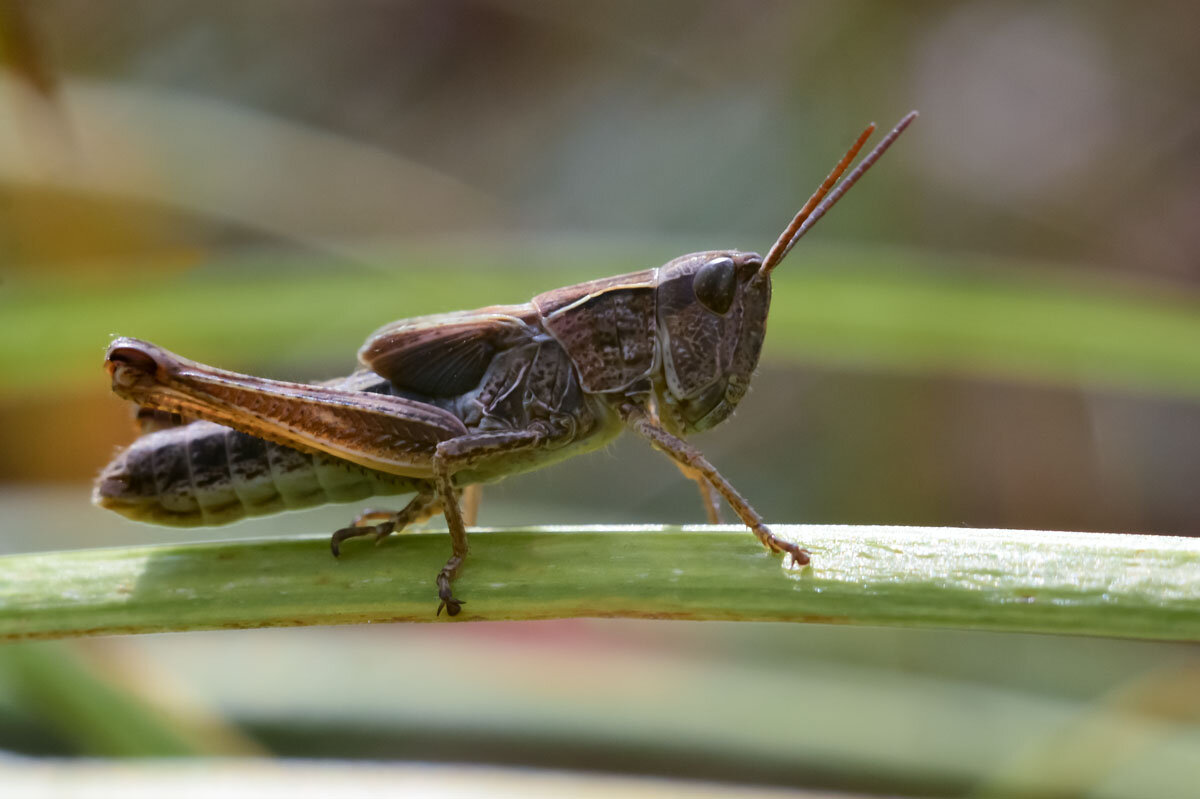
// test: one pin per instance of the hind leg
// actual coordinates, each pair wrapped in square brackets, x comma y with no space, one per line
[453,456]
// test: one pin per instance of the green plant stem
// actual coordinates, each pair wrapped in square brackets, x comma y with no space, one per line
[1080,583]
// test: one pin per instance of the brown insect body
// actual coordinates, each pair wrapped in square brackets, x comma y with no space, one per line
[468,397]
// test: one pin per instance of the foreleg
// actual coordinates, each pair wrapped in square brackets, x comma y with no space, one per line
[691,459]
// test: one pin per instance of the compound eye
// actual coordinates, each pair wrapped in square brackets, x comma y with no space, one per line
[716,284]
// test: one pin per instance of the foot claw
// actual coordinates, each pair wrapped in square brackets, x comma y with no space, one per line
[380,531]
[800,557]
[335,541]
[452,606]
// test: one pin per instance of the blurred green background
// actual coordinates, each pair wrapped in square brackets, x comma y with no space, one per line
[1000,326]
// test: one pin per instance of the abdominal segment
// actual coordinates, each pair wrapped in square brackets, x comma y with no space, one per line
[206,474]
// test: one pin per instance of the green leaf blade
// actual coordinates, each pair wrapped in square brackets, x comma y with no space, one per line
[1073,583]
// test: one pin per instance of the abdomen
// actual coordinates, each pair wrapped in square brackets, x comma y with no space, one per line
[205,474]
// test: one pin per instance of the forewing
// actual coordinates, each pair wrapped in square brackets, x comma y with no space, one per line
[378,431]
[447,354]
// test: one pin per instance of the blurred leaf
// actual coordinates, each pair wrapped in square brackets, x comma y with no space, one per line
[848,708]
[870,308]
[317,780]
[66,688]
[23,49]
[926,313]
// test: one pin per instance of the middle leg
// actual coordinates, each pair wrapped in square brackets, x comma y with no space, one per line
[708,495]
[419,508]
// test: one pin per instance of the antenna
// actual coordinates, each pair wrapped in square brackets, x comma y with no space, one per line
[819,203]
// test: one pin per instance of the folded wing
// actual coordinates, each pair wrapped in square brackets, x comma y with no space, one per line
[447,354]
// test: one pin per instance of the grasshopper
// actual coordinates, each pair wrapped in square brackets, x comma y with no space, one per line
[453,400]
